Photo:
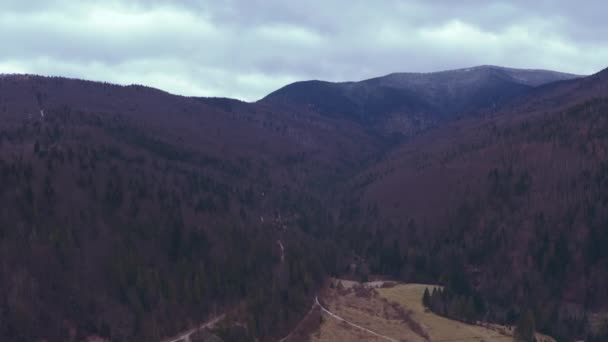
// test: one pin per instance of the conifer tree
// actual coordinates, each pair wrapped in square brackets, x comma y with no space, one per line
[426,298]
[524,331]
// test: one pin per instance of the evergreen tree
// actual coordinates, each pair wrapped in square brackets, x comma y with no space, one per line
[426,298]
[524,331]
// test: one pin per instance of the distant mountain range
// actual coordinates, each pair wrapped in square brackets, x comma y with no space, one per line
[416,98]
[132,214]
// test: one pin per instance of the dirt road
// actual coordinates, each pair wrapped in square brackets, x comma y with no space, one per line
[353,324]
[185,336]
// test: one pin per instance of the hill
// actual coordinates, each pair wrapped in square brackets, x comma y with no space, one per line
[411,102]
[511,206]
[134,214]
[131,213]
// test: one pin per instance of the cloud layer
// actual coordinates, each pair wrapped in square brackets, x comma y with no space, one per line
[247,48]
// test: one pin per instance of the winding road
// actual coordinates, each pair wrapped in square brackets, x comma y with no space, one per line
[333,315]
[351,323]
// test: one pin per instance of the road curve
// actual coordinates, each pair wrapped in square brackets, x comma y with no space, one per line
[185,336]
[314,304]
[352,324]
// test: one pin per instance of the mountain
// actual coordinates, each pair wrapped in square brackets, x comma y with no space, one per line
[129,213]
[133,214]
[409,102]
[511,206]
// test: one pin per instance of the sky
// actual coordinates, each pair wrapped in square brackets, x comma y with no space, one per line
[245,49]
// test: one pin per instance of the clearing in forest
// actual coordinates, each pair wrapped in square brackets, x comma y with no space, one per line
[394,312]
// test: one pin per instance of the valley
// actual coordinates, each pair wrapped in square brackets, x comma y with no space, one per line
[154,212]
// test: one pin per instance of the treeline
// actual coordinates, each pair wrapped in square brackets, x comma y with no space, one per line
[460,307]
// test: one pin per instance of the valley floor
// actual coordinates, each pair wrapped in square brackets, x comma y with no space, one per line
[387,311]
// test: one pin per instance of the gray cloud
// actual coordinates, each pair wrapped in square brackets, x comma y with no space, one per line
[245,49]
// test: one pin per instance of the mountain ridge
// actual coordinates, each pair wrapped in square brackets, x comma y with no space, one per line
[411,102]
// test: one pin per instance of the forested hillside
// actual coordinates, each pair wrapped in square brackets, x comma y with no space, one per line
[509,211]
[133,214]
[130,213]
[410,103]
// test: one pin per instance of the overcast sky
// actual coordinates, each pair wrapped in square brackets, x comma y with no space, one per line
[248,48]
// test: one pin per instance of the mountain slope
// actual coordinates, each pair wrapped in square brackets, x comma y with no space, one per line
[407,102]
[512,206]
[130,213]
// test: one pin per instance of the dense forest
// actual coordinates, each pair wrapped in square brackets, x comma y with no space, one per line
[113,239]
[526,227]
[132,214]
[126,228]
